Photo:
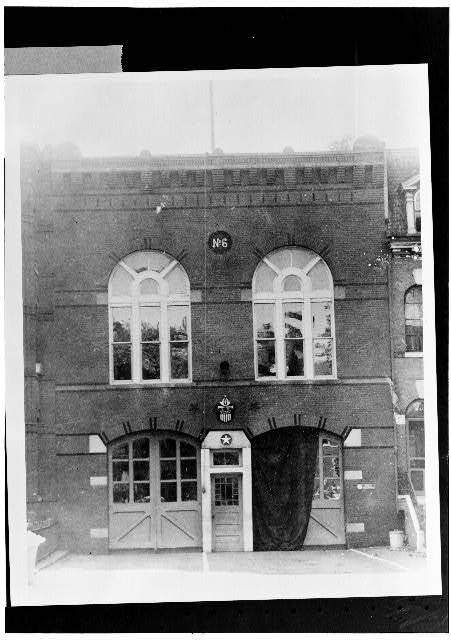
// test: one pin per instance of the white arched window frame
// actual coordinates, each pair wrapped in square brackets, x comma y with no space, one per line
[307,295]
[160,306]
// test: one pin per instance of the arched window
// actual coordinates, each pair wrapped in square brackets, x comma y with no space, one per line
[149,311]
[415,435]
[413,313]
[292,294]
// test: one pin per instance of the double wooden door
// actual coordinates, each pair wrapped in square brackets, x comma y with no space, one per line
[154,492]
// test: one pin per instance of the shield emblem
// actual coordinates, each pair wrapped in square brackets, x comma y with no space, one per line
[225,410]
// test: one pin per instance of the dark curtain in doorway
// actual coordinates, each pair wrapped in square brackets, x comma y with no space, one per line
[283,472]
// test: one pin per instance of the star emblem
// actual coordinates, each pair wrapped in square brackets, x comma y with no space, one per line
[226,440]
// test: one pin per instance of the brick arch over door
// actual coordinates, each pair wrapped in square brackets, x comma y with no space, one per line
[297,487]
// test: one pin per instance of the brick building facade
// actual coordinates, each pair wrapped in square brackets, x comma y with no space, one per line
[84,218]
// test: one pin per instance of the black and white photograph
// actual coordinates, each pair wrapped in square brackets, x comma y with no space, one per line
[220,293]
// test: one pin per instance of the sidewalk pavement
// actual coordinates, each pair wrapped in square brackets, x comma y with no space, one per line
[143,576]
[377,559]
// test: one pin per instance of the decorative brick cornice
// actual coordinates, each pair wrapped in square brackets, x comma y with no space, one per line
[196,200]
[195,179]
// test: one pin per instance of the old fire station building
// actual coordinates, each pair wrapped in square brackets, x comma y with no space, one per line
[208,351]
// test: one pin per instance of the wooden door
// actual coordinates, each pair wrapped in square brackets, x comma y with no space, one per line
[154,493]
[178,511]
[326,525]
[227,513]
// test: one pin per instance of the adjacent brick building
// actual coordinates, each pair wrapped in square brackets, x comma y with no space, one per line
[120,405]
[405,273]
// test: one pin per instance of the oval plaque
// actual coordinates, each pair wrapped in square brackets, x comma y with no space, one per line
[220,242]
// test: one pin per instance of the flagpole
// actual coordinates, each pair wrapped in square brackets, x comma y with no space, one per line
[212,120]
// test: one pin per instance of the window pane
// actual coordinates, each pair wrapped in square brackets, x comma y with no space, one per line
[414,311]
[120,452]
[322,357]
[292,283]
[329,449]
[141,448]
[294,357]
[122,362]
[417,201]
[319,277]
[141,470]
[178,323]
[121,324]
[150,361]
[331,466]
[188,468]
[121,282]
[301,257]
[332,489]
[177,281]
[414,335]
[168,492]
[179,360]
[141,492]
[187,450]
[417,478]
[167,448]
[264,278]
[143,260]
[415,409]
[264,320]
[316,492]
[266,355]
[414,295]
[120,471]
[150,324]
[416,439]
[226,491]
[168,469]
[293,319]
[281,258]
[226,458]
[149,287]
[189,491]
[321,321]
[120,493]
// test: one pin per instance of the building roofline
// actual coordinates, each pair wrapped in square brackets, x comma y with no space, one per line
[216,161]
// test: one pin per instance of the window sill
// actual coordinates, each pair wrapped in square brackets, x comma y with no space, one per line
[293,379]
[156,383]
[413,354]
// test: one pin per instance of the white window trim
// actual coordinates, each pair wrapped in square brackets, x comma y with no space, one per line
[278,297]
[413,354]
[135,302]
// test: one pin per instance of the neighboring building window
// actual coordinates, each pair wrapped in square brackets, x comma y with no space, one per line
[417,210]
[293,316]
[413,312]
[415,435]
[149,308]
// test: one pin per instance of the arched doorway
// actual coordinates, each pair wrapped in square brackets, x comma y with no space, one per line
[297,489]
[154,492]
